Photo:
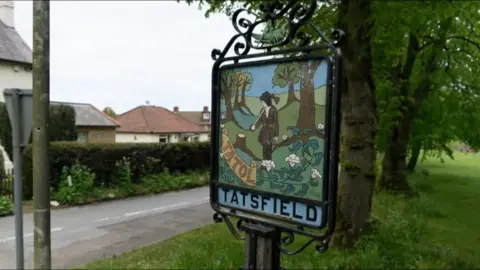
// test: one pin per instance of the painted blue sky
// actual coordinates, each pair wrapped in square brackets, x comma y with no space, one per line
[262,79]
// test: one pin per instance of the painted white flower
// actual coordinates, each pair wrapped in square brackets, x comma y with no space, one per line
[268,164]
[320,126]
[292,159]
[221,155]
[222,125]
[315,174]
[284,137]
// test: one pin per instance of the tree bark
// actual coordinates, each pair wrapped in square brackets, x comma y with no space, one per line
[306,115]
[412,163]
[359,124]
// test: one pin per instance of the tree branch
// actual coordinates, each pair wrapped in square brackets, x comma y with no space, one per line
[412,50]
[477,44]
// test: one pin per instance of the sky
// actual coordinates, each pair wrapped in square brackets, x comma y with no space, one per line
[263,75]
[124,53]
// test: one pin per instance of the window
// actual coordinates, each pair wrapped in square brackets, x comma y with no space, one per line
[162,139]
[196,139]
[206,116]
[82,137]
[135,138]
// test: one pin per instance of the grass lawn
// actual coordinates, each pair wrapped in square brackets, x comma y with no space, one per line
[437,230]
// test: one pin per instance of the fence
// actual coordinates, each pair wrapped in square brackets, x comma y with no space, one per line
[6,184]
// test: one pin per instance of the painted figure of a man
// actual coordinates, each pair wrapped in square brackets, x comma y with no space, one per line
[268,120]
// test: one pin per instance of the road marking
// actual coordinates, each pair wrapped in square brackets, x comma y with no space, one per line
[11,238]
[156,209]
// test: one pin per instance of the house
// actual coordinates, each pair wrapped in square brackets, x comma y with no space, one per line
[15,59]
[151,124]
[201,118]
[93,125]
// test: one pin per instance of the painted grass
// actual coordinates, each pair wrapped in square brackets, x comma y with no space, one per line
[437,230]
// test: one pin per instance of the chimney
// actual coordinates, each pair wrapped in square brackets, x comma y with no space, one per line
[205,108]
[6,13]
[175,109]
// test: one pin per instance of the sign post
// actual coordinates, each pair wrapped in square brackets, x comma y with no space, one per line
[275,131]
[19,107]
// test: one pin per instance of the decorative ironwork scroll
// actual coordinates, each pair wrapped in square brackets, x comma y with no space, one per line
[276,124]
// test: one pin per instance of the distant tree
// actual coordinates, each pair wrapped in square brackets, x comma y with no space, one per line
[61,126]
[5,130]
[62,123]
[109,111]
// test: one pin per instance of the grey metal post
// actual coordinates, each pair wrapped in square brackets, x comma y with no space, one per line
[41,103]
[17,172]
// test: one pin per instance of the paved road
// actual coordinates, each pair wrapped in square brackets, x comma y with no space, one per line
[88,233]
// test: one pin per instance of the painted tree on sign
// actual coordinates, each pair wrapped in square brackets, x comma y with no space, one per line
[287,74]
[227,87]
[245,84]
[306,115]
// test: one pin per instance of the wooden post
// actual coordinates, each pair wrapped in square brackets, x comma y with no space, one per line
[41,103]
[261,250]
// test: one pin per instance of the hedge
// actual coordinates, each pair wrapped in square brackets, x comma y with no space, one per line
[145,159]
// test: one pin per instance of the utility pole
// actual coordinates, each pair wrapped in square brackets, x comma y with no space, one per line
[41,103]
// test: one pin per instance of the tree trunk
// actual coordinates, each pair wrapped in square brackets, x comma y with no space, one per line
[359,124]
[412,163]
[236,103]
[228,112]
[306,115]
[242,100]
[394,167]
[228,106]
[291,93]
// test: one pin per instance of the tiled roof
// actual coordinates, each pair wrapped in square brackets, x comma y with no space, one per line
[154,119]
[195,117]
[13,47]
[87,115]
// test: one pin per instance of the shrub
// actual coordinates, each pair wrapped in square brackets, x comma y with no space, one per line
[6,206]
[122,176]
[102,159]
[78,189]
[166,181]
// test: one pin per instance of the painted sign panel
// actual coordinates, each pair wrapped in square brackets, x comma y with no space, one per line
[272,138]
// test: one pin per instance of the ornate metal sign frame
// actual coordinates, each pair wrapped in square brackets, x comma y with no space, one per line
[292,22]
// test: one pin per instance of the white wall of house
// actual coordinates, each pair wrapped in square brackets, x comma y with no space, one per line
[155,138]
[14,76]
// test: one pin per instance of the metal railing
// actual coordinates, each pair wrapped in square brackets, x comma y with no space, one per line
[6,184]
